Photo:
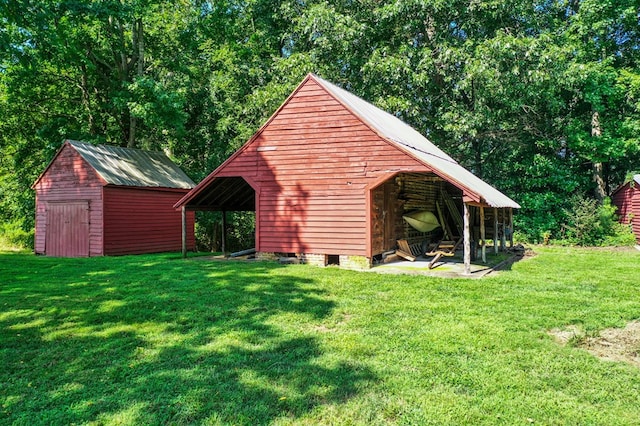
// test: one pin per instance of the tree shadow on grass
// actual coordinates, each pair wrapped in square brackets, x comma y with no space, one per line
[150,339]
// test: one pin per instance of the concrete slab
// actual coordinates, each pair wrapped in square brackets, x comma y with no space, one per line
[452,267]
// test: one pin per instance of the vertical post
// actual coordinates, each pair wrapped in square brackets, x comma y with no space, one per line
[483,236]
[511,227]
[184,232]
[503,239]
[224,232]
[467,240]
[495,230]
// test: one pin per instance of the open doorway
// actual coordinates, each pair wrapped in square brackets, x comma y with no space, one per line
[414,194]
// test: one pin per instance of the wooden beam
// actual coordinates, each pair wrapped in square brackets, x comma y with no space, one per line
[224,232]
[511,227]
[483,236]
[467,239]
[184,232]
[503,239]
[495,230]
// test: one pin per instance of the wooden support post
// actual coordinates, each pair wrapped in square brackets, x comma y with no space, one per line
[495,230]
[184,232]
[503,239]
[483,236]
[224,233]
[467,240]
[511,227]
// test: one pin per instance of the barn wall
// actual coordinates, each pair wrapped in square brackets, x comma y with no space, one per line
[69,178]
[635,208]
[313,163]
[627,199]
[144,221]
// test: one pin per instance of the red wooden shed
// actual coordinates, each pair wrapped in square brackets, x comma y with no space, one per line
[331,176]
[627,199]
[95,200]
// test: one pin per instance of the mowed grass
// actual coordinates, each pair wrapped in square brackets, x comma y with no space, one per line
[157,339]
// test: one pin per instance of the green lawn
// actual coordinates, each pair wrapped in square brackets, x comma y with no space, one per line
[157,339]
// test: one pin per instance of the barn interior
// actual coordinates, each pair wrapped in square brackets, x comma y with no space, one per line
[396,200]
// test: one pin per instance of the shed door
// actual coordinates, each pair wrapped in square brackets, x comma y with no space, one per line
[384,217]
[67,232]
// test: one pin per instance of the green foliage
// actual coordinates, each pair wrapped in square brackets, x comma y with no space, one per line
[155,339]
[240,231]
[592,224]
[13,235]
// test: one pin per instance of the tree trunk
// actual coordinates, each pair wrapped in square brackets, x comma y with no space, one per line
[138,47]
[596,167]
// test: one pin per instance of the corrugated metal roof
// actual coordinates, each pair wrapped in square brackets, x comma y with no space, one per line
[133,167]
[408,139]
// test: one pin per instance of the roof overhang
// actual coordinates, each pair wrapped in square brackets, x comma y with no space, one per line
[222,193]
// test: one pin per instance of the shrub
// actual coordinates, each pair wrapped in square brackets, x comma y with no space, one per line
[13,235]
[593,224]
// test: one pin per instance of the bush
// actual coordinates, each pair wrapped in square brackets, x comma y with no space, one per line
[593,224]
[622,236]
[13,235]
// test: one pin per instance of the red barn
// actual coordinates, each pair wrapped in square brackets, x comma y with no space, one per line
[627,199]
[95,200]
[330,177]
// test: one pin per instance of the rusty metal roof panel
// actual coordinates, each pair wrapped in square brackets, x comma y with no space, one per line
[133,167]
[409,140]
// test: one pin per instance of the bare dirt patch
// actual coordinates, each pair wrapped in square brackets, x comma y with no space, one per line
[613,344]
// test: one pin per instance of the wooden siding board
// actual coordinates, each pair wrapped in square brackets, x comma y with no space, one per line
[144,221]
[69,178]
[635,211]
[314,165]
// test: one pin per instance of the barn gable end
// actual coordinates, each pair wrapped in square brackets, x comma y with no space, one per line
[69,178]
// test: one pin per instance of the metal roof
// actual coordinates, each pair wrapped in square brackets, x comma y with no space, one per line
[411,141]
[636,178]
[133,167]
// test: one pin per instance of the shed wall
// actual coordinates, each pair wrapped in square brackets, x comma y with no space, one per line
[144,221]
[315,163]
[627,199]
[69,179]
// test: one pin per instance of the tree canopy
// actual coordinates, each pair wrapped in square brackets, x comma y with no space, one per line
[540,98]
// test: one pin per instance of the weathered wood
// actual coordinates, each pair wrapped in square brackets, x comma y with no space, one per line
[406,255]
[467,238]
[224,232]
[184,231]
[627,199]
[243,252]
[503,239]
[61,183]
[404,250]
[143,221]
[511,227]
[483,243]
[495,230]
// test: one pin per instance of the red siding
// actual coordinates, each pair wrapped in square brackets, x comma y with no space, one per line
[144,221]
[627,199]
[69,179]
[314,162]
[68,229]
